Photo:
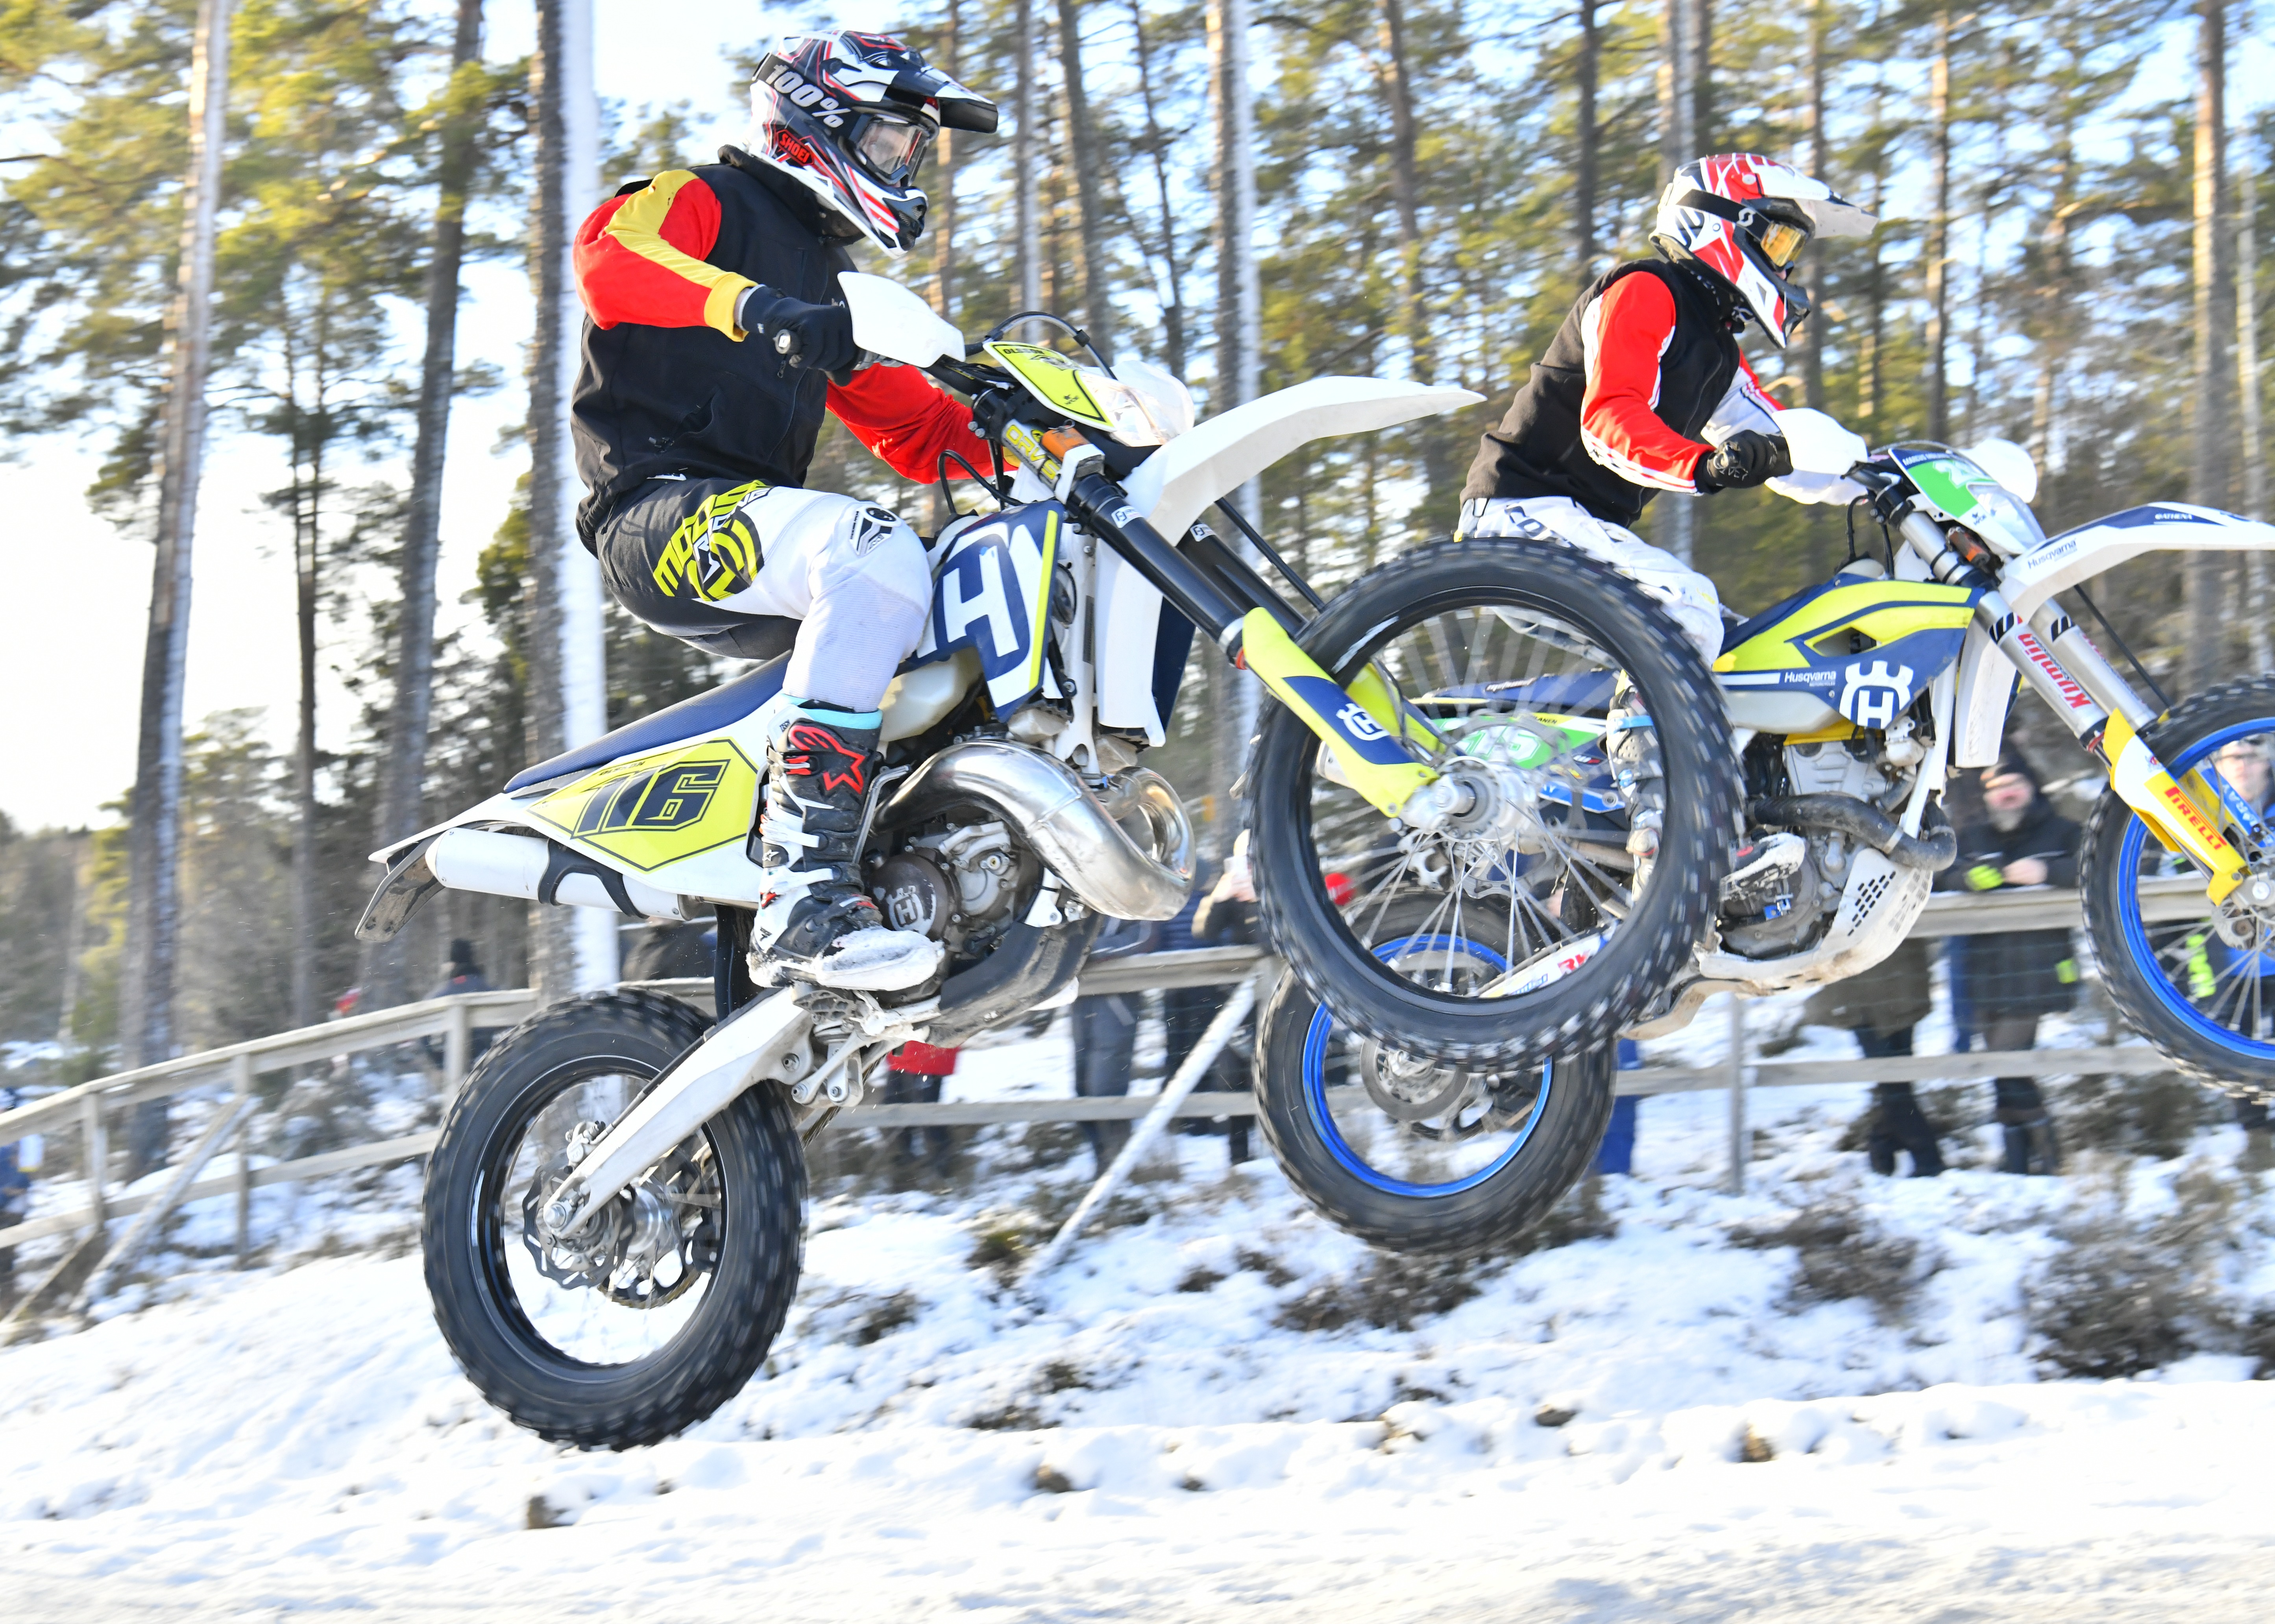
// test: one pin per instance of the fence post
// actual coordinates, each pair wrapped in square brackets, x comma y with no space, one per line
[1173,1095]
[1736,1062]
[457,1043]
[242,1070]
[94,1143]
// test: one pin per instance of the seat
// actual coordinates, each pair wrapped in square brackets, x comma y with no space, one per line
[706,713]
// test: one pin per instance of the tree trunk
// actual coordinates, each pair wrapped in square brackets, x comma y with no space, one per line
[2207,398]
[1585,142]
[1237,321]
[1676,528]
[1938,232]
[147,1016]
[1820,163]
[1157,141]
[1702,75]
[571,948]
[943,187]
[1028,247]
[1876,302]
[1822,528]
[1082,139]
[2252,452]
[1676,104]
[307,539]
[1406,187]
[402,772]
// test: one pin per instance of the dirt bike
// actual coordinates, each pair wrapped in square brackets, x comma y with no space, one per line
[1846,706]
[613,1212]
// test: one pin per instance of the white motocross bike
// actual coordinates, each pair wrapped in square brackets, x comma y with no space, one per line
[613,1212]
[1836,716]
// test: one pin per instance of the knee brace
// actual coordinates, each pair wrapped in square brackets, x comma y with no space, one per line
[869,588]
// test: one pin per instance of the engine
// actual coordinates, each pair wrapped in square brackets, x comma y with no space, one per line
[960,886]
[1785,885]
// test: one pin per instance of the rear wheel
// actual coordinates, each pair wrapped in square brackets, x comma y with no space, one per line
[1418,1155]
[657,1312]
[1569,704]
[2195,978]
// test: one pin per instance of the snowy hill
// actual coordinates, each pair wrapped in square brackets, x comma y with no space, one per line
[1821,1396]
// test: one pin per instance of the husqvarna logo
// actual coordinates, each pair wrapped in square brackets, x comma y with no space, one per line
[1354,721]
[1873,696]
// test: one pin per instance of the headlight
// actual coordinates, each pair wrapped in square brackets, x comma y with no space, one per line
[1148,406]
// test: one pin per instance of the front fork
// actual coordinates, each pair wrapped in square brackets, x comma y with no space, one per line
[2060,662]
[1362,723]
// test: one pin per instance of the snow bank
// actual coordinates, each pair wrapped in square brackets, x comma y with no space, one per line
[1666,1421]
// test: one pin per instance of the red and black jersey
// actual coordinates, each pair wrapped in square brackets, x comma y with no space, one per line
[1615,409]
[668,384]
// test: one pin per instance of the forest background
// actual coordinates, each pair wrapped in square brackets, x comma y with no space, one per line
[2066,258]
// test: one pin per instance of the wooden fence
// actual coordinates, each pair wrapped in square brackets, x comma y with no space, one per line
[91,1106]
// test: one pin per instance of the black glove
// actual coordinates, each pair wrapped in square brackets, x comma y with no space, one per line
[816,336]
[1744,460]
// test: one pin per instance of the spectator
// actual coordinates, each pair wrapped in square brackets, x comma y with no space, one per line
[2243,762]
[465,974]
[1105,1037]
[918,1070]
[1881,1007]
[667,950]
[1616,1154]
[15,1196]
[1226,917]
[2016,978]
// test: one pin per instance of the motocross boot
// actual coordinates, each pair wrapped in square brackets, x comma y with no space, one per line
[816,921]
[1636,769]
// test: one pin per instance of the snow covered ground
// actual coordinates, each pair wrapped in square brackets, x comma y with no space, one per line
[1826,1398]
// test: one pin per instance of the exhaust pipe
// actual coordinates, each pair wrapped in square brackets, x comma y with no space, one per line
[1070,828]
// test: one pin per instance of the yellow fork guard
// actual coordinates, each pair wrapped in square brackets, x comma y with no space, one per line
[1361,725]
[2145,785]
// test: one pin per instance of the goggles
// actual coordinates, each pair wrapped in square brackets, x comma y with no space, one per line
[891,148]
[1780,244]
[1780,241]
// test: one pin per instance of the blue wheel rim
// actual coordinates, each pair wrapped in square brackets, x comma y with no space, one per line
[2161,985]
[1321,1032]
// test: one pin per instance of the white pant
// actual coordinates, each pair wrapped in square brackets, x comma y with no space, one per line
[1688,596]
[852,572]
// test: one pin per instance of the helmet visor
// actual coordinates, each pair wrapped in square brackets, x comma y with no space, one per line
[1780,243]
[891,148]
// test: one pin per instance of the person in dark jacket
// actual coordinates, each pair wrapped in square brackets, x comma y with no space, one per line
[1105,1037]
[1881,1007]
[719,339]
[2016,978]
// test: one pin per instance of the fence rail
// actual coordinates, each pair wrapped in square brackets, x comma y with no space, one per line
[456,1019]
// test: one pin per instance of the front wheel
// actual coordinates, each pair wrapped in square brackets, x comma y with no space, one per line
[2189,974]
[1573,714]
[1415,1155]
[647,1320]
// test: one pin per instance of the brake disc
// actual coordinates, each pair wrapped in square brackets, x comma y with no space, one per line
[1409,1090]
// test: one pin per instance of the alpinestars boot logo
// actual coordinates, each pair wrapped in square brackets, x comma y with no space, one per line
[811,751]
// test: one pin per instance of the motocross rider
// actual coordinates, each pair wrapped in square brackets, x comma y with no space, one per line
[718,338]
[1644,390]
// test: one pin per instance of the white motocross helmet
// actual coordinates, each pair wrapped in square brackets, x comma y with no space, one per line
[1746,218]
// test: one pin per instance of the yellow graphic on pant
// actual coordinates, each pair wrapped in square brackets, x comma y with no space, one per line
[715,553]
[648,810]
